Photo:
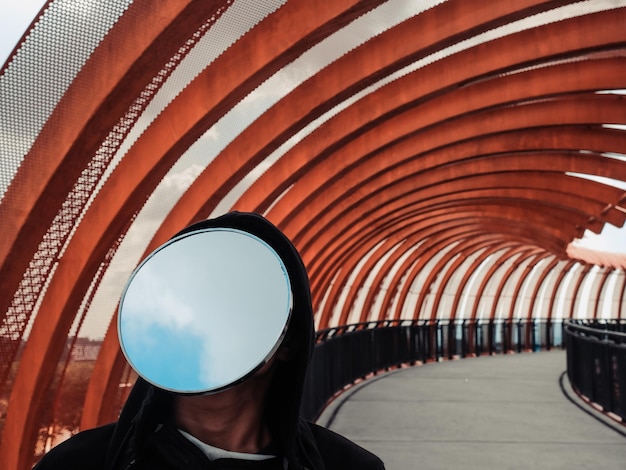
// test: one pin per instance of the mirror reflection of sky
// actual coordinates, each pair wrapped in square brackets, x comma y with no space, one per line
[204,311]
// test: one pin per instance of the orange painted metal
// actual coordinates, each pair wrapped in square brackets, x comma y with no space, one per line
[179,218]
[524,275]
[561,276]
[78,126]
[582,275]
[354,71]
[406,149]
[510,253]
[396,126]
[459,289]
[467,155]
[599,297]
[622,296]
[457,253]
[513,268]
[134,178]
[546,271]
[358,284]
[357,227]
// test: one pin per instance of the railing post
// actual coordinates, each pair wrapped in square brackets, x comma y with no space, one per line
[491,336]
[451,339]
[439,345]
[507,336]
[464,338]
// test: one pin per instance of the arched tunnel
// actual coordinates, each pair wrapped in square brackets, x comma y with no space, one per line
[432,161]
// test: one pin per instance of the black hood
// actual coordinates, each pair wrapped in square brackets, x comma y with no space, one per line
[148,407]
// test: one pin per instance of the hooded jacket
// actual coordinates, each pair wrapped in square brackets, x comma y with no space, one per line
[145,435]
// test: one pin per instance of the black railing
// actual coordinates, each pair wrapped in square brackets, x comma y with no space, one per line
[596,363]
[348,353]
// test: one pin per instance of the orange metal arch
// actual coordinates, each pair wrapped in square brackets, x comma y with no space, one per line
[533,298]
[622,296]
[347,267]
[409,232]
[518,287]
[581,277]
[454,260]
[370,108]
[515,251]
[142,40]
[19,431]
[359,281]
[356,226]
[355,257]
[522,253]
[486,253]
[364,232]
[377,283]
[327,192]
[562,273]
[396,127]
[604,277]
[427,254]
[345,197]
[338,81]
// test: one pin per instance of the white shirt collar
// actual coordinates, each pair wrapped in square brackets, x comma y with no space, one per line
[214,453]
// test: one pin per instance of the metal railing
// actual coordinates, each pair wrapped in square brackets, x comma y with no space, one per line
[596,363]
[348,353]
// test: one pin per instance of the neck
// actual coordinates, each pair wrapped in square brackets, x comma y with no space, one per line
[231,420]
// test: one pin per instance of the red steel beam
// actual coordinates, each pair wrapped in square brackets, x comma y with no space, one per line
[308,24]
[221,173]
[154,153]
[132,54]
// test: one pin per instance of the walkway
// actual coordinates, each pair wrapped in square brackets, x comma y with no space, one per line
[505,412]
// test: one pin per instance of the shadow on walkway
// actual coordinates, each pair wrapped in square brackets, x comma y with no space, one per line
[505,412]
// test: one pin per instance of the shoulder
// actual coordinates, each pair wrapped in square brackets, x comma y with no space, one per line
[341,453]
[87,449]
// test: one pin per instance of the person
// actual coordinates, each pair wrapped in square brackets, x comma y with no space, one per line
[254,425]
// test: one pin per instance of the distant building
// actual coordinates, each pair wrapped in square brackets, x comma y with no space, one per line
[84,349]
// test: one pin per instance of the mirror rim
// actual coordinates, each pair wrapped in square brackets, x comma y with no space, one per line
[262,362]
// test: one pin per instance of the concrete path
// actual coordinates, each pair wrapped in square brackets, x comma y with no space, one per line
[504,412]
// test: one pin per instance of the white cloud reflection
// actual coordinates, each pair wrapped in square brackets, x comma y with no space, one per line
[213,304]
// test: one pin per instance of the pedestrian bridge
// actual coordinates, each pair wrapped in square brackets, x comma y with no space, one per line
[508,411]
[440,165]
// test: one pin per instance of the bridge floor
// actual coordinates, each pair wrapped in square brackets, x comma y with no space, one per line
[507,412]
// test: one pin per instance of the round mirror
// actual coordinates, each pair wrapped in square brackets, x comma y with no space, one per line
[205,311]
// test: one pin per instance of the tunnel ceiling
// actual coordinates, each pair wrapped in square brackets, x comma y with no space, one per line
[431,160]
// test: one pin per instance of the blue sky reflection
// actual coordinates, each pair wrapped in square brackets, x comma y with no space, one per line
[204,311]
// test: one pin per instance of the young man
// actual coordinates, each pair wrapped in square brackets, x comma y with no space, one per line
[255,424]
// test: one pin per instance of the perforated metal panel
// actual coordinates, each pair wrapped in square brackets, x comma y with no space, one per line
[34,79]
